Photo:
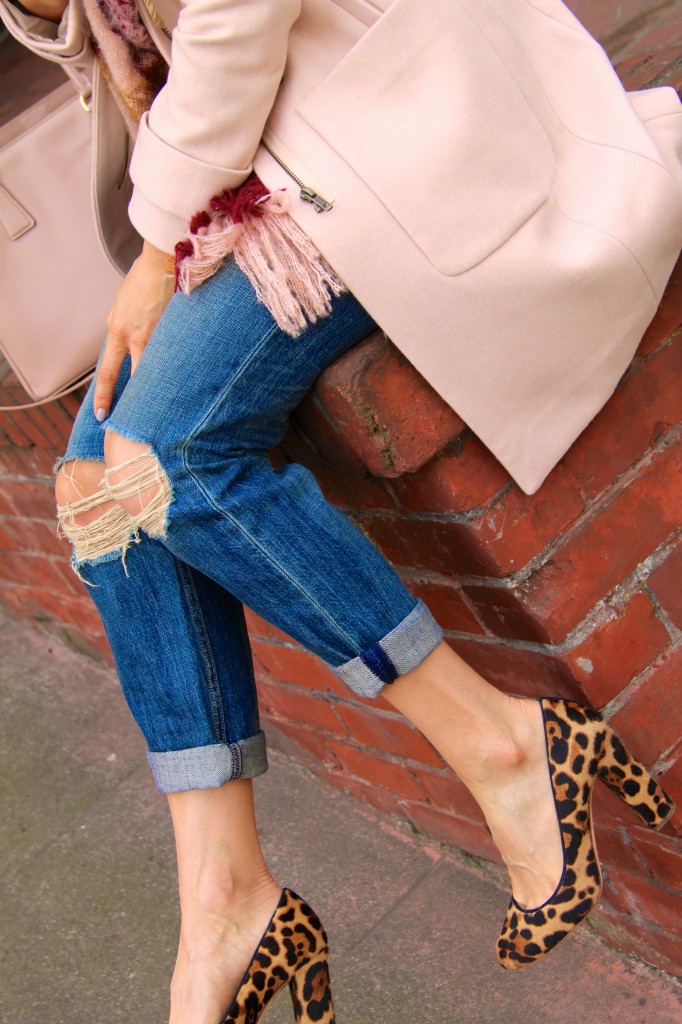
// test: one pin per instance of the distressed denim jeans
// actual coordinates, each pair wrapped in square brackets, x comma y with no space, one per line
[212,392]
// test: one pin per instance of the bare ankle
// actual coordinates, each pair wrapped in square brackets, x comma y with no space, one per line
[224,893]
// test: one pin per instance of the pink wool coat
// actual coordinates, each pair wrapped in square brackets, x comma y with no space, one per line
[503,209]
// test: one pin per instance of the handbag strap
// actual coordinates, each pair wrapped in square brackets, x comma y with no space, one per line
[51,398]
[81,81]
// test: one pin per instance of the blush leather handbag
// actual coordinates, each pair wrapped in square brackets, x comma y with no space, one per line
[57,283]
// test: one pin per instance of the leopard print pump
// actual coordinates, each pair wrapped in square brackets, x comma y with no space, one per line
[293,950]
[581,747]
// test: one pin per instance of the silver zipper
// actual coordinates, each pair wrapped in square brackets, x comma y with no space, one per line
[307,193]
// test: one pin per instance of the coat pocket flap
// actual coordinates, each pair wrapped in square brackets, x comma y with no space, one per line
[426,112]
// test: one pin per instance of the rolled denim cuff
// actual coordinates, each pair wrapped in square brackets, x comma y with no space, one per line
[398,652]
[208,767]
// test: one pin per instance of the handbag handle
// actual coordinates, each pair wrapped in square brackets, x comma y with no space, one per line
[51,398]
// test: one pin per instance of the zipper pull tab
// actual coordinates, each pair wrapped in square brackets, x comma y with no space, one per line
[309,195]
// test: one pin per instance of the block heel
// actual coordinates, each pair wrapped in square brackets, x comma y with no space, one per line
[581,747]
[311,992]
[294,951]
[633,783]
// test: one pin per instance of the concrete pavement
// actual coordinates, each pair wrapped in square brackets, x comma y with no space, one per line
[87,880]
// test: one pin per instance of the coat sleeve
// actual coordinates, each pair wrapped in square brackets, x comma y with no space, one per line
[203,129]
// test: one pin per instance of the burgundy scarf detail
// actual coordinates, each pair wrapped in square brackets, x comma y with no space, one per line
[130,61]
[287,272]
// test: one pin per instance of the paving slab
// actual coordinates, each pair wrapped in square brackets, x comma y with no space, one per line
[89,919]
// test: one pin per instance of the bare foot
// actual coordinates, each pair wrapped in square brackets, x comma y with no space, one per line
[217,941]
[516,797]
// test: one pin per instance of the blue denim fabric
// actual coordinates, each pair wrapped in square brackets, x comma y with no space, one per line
[211,394]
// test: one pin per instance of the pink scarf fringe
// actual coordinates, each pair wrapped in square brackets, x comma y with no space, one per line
[287,272]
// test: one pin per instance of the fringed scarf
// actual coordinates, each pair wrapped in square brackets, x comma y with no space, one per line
[129,60]
[287,272]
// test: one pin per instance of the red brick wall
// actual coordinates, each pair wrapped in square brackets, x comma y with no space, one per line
[573,591]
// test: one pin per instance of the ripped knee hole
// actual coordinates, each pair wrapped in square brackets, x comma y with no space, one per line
[134,495]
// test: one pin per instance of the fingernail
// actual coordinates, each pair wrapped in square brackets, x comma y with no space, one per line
[101,414]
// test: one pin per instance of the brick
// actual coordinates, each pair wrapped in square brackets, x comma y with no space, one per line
[607,547]
[32,571]
[610,657]
[12,428]
[378,771]
[72,403]
[69,578]
[342,486]
[45,605]
[36,428]
[390,733]
[666,583]
[382,799]
[352,491]
[449,607]
[460,479]
[260,627]
[60,421]
[503,614]
[615,849]
[320,431]
[298,705]
[33,535]
[649,35]
[389,416]
[8,541]
[464,835]
[520,526]
[29,498]
[643,70]
[294,665]
[518,671]
[644,900]
[609,20]
[448,793]
[651,720]
[662,857]
[31,462]
[643,409]
[425,544]
[645,941]
[668,315]
[498,541]
[300,741]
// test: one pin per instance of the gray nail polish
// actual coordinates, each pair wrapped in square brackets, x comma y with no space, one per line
[101,414]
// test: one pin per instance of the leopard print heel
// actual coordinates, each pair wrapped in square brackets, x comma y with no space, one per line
[293,951]
[581,747]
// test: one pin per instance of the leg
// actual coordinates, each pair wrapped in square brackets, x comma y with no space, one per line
[495,744]
[271,539]
[184,662]
[227,897]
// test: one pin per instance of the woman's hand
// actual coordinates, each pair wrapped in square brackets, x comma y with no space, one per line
[51,10]
[137,309]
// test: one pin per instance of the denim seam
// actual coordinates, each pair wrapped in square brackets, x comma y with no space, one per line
[217,709]
[237,761]
[226,515]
